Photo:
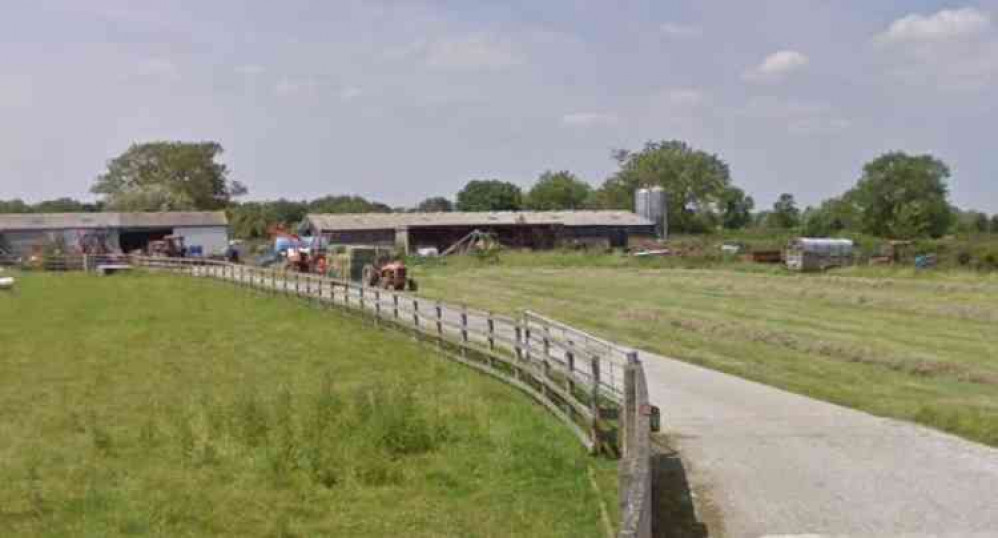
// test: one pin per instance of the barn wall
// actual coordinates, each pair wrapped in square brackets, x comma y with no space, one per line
[213,240]
[24,243]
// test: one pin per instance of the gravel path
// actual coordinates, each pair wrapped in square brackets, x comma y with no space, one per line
[772,463]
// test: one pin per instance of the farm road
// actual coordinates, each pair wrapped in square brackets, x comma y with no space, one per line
[764,462]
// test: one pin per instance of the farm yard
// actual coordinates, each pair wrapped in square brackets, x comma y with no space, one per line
[150,404]
[919,347]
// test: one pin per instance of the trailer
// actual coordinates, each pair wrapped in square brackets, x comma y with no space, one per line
[806,254]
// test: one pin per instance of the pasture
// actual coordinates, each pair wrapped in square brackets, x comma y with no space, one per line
[166,406]
[915,346]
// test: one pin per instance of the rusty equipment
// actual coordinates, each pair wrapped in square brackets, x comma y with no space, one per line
[171,246]
[390,276]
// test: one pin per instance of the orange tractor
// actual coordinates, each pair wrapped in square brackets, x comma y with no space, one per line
[389,276]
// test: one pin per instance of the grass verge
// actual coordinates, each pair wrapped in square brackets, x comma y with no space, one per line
[156,405]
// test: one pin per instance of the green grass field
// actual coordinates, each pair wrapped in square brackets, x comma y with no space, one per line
[155,405]
[916,346]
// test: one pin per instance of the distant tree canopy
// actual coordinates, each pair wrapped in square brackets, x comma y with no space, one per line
[346,204]
[558,191]
[697,184]
[489,195]
[253,220]
[435,204]
[785,214]
[903,196]
[59,205]
[993,227]
[165,176]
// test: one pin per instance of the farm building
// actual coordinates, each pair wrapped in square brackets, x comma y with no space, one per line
[522,229]
[23,234]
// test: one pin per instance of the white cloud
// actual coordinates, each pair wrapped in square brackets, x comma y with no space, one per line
[250,70]
[157,68]
[796,116]
[685,97]
[778,65]
[349,93]
[951,50]
[681,31]
[469,52]
[589,119]
[944,25]
[290,86]
[464,52]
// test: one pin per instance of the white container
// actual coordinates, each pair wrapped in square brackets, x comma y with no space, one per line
[6,283]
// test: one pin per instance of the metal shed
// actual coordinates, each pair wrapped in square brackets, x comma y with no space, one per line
[528,229]
[117,232]
[818,254]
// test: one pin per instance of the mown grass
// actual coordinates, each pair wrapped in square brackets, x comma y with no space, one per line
[920,346]
[154,405]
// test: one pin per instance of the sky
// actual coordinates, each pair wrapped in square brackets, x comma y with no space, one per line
[399,100]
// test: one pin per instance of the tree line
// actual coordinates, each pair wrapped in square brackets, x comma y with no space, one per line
[897,195]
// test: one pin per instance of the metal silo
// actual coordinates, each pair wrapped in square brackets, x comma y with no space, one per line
[658,211]
[641,203]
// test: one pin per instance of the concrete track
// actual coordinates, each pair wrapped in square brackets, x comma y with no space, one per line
[764,462]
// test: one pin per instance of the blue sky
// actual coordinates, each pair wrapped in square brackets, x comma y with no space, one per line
[398,100]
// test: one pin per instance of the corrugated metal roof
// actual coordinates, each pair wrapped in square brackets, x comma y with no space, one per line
[77,221]
[379,221]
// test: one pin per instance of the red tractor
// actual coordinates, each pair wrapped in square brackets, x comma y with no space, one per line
[390,276]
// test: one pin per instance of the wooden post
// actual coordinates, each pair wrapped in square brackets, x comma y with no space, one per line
[362,301]
[415,313]
[570,362]
[519,352]
[440,324]
[594,402]
[395,305]
[492,332]
[377,307]
[464,331]
[629,412]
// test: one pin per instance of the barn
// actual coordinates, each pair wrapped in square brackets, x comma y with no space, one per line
[24,234]
[518,229]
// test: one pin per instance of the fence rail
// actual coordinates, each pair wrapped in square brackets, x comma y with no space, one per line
[587,382]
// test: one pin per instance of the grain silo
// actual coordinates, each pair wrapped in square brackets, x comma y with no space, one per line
[651,204]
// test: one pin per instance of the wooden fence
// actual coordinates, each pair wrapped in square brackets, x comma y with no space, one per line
[597,388]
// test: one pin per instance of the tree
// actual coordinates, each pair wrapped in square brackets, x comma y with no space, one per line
[785,214]
[696,182]
[14,206]
[994,224]
[489,195]
[736,209]
[346,204]
[64,205]
[834,216]
[436,204]
[903,196]
[162,176]
[981,223]
[558,190]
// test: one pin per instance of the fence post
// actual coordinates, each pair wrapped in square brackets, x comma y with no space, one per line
[464,330]
[415,313]
[594,407]
[570,363]
[440,324]
[395,305]
[629,411]
[377,307]
[362,301]
[492,332]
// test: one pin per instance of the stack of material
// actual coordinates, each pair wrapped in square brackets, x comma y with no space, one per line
[6,283]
